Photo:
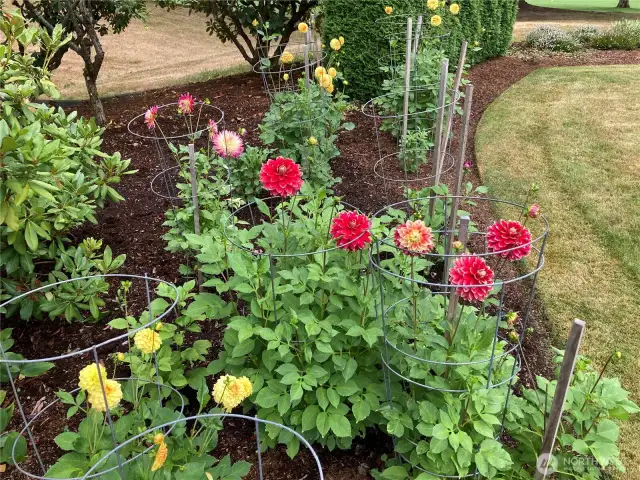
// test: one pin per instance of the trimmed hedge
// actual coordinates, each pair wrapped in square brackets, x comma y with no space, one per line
[488,22]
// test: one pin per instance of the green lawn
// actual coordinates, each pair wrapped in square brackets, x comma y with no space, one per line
[575,131]
[588,5]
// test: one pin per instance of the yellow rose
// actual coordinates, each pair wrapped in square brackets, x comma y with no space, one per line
[286,57]
[147,340]
[436,20]
[341,39]
[454,8]
[388,10]
[230,391]
[112,391]
[332,72]
[432,4]
[90,379]
[335,44]
[303,27]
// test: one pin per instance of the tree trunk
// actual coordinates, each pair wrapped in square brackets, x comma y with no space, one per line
[94,99]
[623,4]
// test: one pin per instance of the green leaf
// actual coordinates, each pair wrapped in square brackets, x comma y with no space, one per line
[340,425]
[440,432]
[31,237]
[309,417]
[68,466]
[482,428]
[267,398]
[609,430]
[65,440]
[323,423]
[396,472]
[361,410]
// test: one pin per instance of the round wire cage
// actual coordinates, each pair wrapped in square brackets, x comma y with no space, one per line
[414,150]
[445,333]
[167,130]
[282,70]
[260,424]
[99,354]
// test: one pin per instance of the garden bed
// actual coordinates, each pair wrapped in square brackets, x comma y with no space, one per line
[134,227]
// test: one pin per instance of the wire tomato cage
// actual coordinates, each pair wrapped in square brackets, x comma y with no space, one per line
[458,325]
[98,355]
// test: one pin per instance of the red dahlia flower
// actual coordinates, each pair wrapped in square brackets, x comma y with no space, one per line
[413,238]
[150,116]
[281,176]
[186,103]
[534,211]
[506,234]
[470,270]
[351,230]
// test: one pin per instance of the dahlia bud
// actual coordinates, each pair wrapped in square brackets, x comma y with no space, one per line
[619,354]
[511,318]
[120,357]
[312,141]
[208,475]
[467,165]
[285,77]
[254,23]
[513,336]
[159,326]
[457,245]
[158,438]
[242,131]
[345,82]
[534,211]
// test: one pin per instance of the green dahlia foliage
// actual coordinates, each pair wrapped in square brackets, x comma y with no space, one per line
[53,174]
[307,341]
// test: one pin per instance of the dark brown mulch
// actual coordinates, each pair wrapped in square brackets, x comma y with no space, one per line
[135,227]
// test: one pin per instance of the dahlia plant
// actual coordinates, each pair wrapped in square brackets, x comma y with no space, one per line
[308,350]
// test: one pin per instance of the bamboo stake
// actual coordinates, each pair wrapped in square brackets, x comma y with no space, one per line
[462,237]
[196,206]
[407,81]
[444,71]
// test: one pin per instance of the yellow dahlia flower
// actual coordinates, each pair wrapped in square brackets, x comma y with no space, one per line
[454,8]
[161,457]
[113,393]
[286,57]
[335,44]
[147,340]
[303,27]
[388,10]
[436,20]
[341,39]
[319,72]
[330,89]
[90,378]
[230,391]
[332,72]
[326,81]
[432,4]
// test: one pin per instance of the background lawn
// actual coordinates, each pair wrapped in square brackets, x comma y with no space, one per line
[574,131]
[588,5]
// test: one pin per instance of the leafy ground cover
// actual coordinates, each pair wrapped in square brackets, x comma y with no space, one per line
[609,6]
[572,131]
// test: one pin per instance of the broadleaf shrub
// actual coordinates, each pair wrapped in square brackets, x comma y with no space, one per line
[489,23]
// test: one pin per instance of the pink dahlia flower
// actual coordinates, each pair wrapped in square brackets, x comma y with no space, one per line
[470,270]
[413,238]
[507,234]
[228,144]
[150,116]
[186,103]
[350,230]
[534,211]
[281,176]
